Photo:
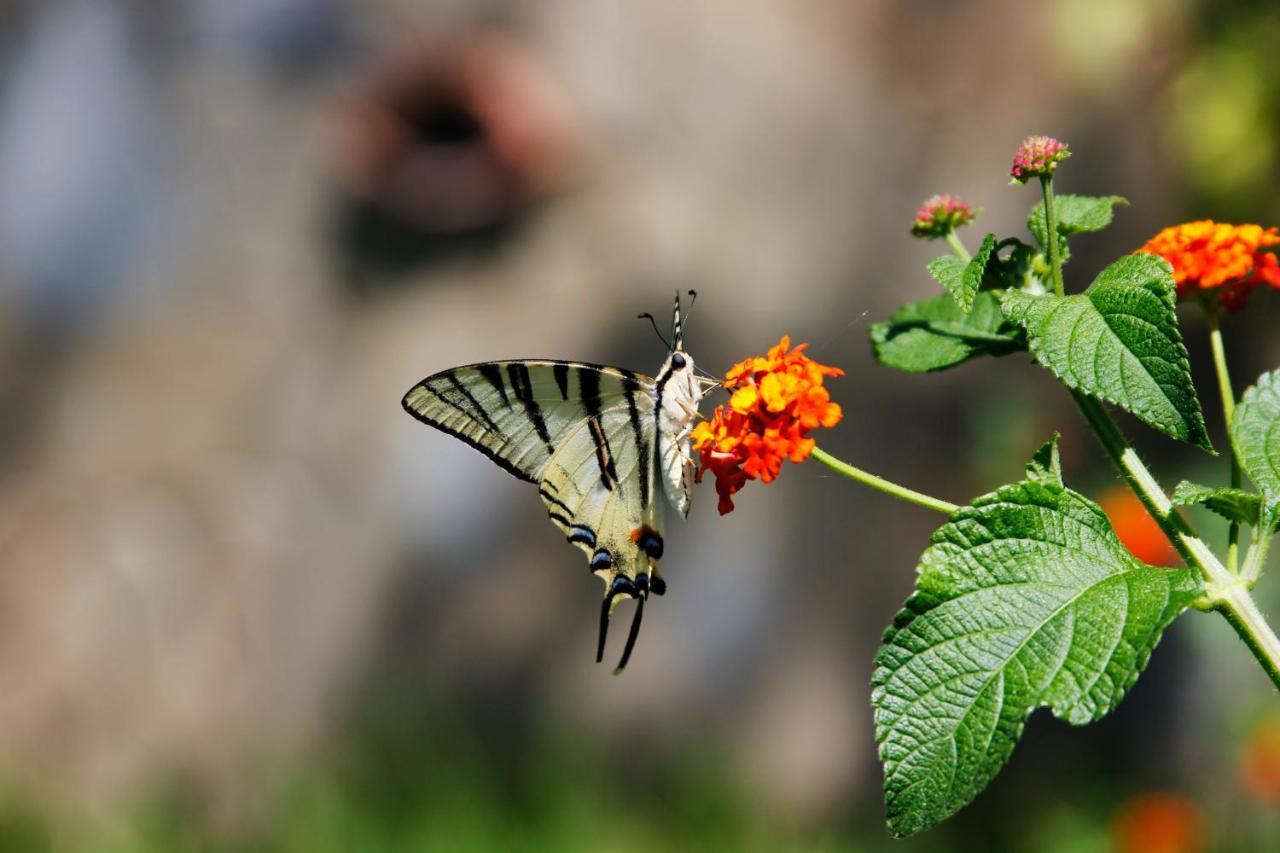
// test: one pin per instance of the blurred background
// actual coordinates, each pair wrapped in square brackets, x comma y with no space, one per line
[246,604]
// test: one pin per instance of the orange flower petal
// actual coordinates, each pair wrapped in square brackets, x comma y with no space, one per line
[1214,256]
[776,400]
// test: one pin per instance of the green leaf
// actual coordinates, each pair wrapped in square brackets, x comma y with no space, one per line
[1255,435]
[1045,466]
[1024,599]
[1119,341]
[1232,504]
[963,279]
[974,272]
[935,334]
[918,350]
[948,271]
[1075,214]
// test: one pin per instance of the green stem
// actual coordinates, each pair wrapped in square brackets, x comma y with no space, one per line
[1228,412]
[1051,226]
[1224,591]
[1239,608]
[962,253]
[883,485]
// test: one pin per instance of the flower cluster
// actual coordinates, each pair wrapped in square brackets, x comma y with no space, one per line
[941,215]
[1213,256]
[776,400]
[1037,157]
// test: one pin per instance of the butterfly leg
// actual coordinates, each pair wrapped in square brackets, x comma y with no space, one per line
[691,412]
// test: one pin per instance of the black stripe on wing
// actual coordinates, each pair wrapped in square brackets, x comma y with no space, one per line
[493,373]
[589,388]
[630,385]
[479,411]
[522,386]
[561,372]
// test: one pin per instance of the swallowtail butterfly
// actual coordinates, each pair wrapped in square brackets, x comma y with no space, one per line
[602,444]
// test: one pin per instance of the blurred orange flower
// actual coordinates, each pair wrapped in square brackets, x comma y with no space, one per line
[1208,255]
[1158,822]
[776,400]
[1260,762]
[1136,528]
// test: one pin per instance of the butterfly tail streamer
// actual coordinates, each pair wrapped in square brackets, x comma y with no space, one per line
[631,637]
[606,610]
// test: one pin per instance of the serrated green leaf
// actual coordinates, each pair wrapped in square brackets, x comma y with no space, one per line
[1255,435]
[1119,341]
[936,333]
[1046,466]
[1232,504]
[963,279]
[974,271]
[1025,599]
[948,271]
[1075,214]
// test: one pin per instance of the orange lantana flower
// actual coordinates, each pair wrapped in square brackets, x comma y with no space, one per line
[775,401]
[1213,256]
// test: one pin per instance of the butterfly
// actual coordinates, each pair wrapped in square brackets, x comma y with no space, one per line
[603,445]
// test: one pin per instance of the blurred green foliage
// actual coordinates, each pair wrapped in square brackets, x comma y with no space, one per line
[389,796]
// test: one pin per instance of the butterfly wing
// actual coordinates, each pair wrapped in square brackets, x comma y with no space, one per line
[516,412]
[585,434]
[600,488]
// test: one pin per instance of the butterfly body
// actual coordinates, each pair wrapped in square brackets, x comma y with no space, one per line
[601,443]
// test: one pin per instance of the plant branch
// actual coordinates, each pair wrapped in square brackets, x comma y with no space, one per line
[1212,312]
[1239,608]
[1224,591]
[882,485]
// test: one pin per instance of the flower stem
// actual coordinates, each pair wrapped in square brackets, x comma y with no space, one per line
[883,485]
[953,240]
[1239,608]
[1051,226]
[1224,591]
[1228,412]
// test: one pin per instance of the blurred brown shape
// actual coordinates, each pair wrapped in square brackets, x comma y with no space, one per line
[1158,822]
[1137,530]
[451,136]
[1260,762]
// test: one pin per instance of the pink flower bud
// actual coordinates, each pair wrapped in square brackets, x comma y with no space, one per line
[941,215]
[1037,157]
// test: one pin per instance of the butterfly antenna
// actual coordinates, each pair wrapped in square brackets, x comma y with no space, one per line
[677,328]
[631,636]
[647,316]
[677,323]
